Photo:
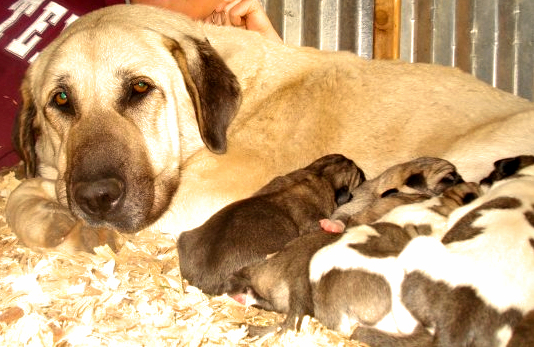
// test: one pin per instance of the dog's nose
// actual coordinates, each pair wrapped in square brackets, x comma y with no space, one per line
[99,198]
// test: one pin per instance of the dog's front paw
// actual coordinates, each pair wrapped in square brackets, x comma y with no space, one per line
[38,220]
[52,226]
[83,237]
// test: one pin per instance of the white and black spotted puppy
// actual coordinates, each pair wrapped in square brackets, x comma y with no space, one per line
[248,230]
[476,287]
[356,280]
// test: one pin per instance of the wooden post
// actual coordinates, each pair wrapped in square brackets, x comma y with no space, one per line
[386,31]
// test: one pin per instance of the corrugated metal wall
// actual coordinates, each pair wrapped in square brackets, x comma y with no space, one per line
[493,39]
[325,24]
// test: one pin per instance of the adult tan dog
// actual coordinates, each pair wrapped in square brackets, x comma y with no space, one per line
[136,118]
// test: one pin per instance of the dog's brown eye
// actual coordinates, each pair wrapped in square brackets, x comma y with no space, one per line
[140,87]
[61,99]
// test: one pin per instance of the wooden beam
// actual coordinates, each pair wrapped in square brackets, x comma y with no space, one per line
[386,31]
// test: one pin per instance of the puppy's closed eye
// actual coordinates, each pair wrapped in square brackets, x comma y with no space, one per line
[389,192]
[343,195]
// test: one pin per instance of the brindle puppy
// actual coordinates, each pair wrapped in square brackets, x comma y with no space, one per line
[248,230]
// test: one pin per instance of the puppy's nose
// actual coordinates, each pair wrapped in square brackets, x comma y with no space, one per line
[99,198]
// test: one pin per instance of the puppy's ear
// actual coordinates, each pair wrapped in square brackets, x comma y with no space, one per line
[213,88]
[507,167]
[343,195]
[24,134]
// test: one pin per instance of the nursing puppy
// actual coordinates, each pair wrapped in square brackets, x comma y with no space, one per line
[425,175]
[364,259]
[248,230]
[140,118]
[282,283]
[507,167]
[477,286]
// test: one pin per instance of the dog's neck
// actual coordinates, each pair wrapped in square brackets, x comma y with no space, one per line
[239,48]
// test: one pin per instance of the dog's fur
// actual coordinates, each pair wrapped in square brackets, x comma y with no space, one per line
[248,230]
[142,118]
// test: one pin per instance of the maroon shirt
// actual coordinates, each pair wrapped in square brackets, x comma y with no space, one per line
[26,27]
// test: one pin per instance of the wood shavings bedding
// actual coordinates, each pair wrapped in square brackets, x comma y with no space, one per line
[133,298]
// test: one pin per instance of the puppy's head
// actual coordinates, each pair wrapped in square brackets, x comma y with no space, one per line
[251,287]
[341,172]
[507,167]
[422,175]
[113,107]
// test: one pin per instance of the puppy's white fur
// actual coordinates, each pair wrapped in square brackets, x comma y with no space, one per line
[498,263]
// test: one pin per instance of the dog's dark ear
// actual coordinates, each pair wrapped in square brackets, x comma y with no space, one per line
[213,88]
[23,134]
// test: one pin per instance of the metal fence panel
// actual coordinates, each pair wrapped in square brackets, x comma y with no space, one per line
[325,24]
[492,39]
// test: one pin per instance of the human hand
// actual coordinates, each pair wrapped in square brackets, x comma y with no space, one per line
[247,14]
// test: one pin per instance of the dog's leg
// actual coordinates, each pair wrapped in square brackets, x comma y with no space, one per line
[51,225]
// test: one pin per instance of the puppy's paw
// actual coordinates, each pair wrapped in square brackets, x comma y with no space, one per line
[456,196]
[332,226]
